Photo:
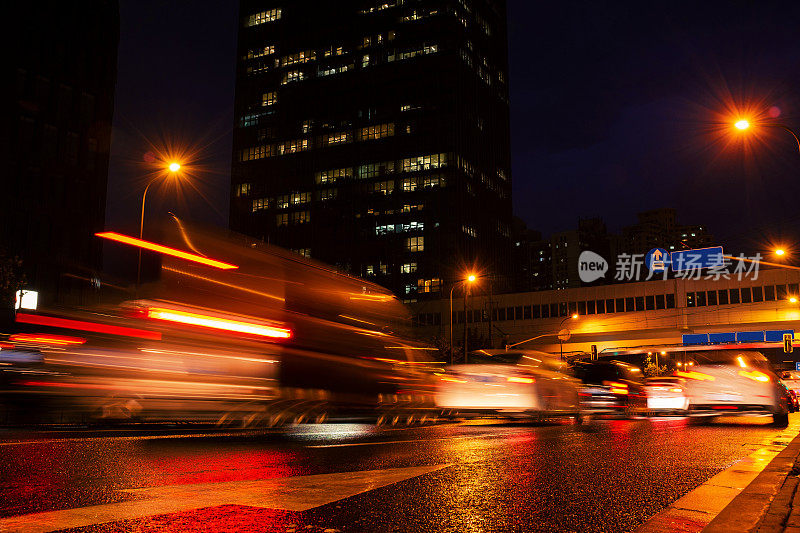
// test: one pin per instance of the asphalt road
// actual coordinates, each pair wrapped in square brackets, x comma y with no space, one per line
[350,477]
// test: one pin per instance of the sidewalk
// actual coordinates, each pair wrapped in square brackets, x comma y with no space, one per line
[771,503]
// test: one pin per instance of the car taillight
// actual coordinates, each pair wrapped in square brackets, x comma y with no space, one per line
[755,375]
[519,379]
[699,376]
[46,338]
[218,323]
[616,387]
[451,379]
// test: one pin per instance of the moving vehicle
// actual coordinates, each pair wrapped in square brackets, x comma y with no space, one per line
[666,395]
[515,383]
[228,330]
[792,380]
[733,382]
[611,387]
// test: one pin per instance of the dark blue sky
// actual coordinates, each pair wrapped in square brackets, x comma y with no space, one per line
[615,108]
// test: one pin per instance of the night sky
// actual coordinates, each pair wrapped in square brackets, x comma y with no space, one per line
[616,107]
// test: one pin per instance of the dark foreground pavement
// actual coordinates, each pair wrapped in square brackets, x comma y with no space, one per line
[355,478]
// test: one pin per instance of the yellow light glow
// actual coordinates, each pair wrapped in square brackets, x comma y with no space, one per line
[742,124]
[575,315]
[780,251]
[194,319]
[164,250]
[741,362]
[515,379]
[793,300]
[174,167]
[471,278]
[755,376]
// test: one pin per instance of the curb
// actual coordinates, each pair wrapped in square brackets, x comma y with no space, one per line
[764,505]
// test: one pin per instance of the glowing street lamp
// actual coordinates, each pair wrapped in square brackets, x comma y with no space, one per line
[744,124]
[470,279]
[172,170]
[780,251]
[793,299]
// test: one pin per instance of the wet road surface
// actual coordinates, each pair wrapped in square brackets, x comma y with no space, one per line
[351,477]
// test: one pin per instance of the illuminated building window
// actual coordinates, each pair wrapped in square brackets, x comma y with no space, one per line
[330,176]
[501,174]
[333,69]
[260,51]
[243,189]
[428,182]
[260,204]
[269,15]
[299,198]
[380,5]
[256,152]
[301,217]
[282,219]
[269,98]
[251,119]
[399,55]
[305,126]
[407,227]
[409,184]
[469,230]
[407,208]
[371,170]
[305,252]
[415,244]
[408,268]
[370,270]
[365,61]
[291,147]
[377,131]
[259,67]
[429,285]
[293,75]
[424,162]
[382,187]
[334,51]
[384,268]
[299,57]
[404,108]
[282,201]
[327,194]
[339,137]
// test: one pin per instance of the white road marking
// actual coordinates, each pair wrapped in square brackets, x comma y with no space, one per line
[695,510]
[298,493]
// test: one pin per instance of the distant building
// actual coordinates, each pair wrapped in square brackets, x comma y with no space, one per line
[552,263]
[544,264]
[659,228]
[64,70]
[374,135]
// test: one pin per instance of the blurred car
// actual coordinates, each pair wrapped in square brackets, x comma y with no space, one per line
[666,395]
[734,382]
[612,387]
[792,380]
[508,383]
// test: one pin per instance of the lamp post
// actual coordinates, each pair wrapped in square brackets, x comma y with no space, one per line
[469,279]
[172,169]
[546,335]
[561,342]
[744,124]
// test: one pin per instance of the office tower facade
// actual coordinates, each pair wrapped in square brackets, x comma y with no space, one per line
[374,135]
[58,139]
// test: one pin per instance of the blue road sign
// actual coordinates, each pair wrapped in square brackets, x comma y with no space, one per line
[797,366]
[657,260]
[697,258]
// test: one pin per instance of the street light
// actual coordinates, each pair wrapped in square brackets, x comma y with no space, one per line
[574,316]
[560,341]
[469,279]
[172,170]
[743,124]
[780,251]
[793,299]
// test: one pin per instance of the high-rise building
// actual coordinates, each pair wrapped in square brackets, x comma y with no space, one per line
[658,228]
[57,137]
[374,135]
